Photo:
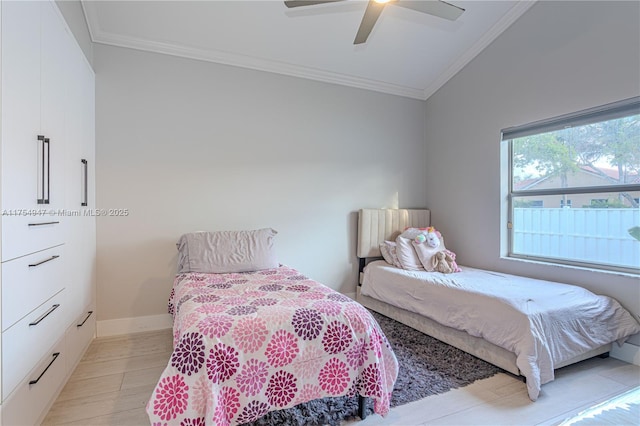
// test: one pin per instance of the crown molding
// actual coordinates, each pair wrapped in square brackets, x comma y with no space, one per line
[260,64]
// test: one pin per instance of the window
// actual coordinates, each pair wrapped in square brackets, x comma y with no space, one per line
[599,202]
[529,203]
[573,186]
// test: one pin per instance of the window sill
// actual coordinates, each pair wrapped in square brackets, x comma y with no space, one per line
[517,260]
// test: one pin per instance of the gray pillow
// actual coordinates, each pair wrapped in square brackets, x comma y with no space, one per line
[227,251]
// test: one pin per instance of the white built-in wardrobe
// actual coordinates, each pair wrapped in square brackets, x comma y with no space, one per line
[47,186]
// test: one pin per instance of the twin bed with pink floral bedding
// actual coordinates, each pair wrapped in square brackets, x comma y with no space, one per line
[250,342]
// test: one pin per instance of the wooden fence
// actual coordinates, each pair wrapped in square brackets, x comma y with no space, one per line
[588,235]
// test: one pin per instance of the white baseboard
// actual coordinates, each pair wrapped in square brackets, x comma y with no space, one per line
[627,352]
[133,325]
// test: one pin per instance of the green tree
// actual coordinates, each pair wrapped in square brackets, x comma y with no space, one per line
[562,152]
[616,140]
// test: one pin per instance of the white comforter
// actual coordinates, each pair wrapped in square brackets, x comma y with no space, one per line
[542,322]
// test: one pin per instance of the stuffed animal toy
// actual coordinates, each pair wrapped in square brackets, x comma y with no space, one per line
[432,237]
[440,262]
[453,265]
[445,261]
[413,233]
[422,235]
[431,251]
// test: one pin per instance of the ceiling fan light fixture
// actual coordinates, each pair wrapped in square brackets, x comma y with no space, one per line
[438,8]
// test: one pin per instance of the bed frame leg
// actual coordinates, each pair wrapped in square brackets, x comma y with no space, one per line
[362,407]
[604,355]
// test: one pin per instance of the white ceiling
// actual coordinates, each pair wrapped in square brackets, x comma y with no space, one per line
[407,54]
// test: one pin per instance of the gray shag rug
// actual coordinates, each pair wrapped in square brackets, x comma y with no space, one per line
[427,367]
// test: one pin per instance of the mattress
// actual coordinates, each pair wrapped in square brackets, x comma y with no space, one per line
[249,343]
[543,323]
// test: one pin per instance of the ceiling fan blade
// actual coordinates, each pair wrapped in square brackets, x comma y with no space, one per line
[437,8]
[371,15]
[298,3]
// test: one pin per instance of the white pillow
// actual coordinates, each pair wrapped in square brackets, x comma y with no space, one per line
[227,251]
[407,255]
[388,250]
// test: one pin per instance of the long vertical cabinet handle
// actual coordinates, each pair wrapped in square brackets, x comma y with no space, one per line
[41,184]
[85,180]
[46,142]
[44,169]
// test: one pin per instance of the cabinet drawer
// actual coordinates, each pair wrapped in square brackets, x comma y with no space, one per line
[27,404]
[27,234]
[30,280]
[26,342]
[79,335]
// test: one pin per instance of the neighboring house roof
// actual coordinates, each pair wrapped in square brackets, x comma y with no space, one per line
[612,173]
[527,183]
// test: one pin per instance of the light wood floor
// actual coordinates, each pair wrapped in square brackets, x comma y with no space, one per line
[114,380]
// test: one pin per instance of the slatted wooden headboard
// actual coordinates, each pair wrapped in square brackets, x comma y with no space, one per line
[377,225]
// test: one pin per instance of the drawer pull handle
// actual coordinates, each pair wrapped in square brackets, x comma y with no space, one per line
[46,314]
[43,223]
[55,356]
[54,257]
[85,320]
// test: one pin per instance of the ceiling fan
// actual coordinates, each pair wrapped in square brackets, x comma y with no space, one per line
[375,7]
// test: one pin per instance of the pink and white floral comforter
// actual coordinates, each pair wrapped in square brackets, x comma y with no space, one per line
[249,343]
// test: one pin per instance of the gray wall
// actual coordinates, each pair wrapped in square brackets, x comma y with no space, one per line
[558,58]
[74,15]
[188,145]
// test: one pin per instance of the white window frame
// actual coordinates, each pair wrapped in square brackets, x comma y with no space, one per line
[607,112]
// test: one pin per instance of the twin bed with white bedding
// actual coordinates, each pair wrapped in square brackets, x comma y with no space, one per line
[525,326]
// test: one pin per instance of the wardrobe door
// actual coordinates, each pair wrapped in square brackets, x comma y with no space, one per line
[55,56]
[80,190]
[80,186]
[34,86]
[88,194]
[20,106]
